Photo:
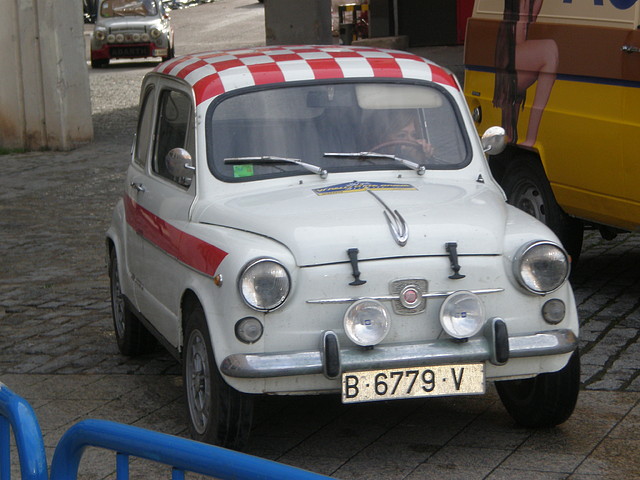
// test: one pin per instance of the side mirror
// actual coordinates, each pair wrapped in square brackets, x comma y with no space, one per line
[179,163]
[494,140]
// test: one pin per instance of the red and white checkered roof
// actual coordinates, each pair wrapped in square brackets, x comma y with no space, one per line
[213,73]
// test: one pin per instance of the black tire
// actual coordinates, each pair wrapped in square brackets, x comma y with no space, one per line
[170,54]
[527,188]
[543,401]
[99,63]
[218,414]
[132,337]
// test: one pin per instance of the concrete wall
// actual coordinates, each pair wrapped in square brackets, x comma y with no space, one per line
[45,100]
[298,22]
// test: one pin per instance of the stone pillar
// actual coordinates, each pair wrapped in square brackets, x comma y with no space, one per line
[298,22]
[45,100]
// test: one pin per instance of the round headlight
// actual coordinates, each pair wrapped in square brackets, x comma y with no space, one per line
[462,314]
[111,38]
[145,37]
[119,38]
[100,35]
[136,37]
[366,322]
[155,33]
[264,284]
[541,267]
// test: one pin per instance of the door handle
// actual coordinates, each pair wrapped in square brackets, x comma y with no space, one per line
[630,49]
[138,187]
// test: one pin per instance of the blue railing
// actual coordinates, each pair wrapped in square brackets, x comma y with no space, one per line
[17,414]
[125,441]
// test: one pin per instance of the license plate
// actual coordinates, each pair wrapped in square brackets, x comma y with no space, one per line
[129,51]
[434,381]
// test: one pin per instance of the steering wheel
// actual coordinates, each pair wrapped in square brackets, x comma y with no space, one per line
[417,148]
[398,143]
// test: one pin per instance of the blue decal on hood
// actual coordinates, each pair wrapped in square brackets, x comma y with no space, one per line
[356,186]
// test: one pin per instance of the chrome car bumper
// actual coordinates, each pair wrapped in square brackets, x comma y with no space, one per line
[332,361]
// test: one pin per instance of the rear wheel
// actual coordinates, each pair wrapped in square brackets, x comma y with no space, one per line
[527,188]
[218,414]
[132,337]
[543,401]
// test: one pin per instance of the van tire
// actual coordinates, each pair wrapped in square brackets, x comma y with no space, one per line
[546,400]
[527,188]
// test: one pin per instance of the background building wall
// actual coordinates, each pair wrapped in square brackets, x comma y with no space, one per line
[45,100]
[291,22]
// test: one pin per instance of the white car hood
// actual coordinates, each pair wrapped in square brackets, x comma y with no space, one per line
[319,226]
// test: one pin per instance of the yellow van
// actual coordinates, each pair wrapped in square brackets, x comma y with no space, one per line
[562,77]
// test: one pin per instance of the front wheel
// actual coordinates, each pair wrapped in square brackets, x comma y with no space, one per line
[99,63]
[528,189]
[218,414]
[543,401]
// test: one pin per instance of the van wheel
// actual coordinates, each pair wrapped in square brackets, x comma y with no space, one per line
[543,401]
[218,414]
[527,188]
[132,337]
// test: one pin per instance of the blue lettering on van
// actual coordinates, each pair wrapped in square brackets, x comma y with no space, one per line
[619,4]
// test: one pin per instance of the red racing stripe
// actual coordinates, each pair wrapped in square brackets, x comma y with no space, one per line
[188,249]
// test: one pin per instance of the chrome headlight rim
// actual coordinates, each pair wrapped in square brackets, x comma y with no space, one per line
[521,256]
[100,35]
[272,305]
[155,33]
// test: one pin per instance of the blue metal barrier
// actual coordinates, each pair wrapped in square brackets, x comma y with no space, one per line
[17,414]
[181,454]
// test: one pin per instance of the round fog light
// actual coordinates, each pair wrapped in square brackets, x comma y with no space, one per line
[462,314]
[366,322]
[553,311]
[249,330]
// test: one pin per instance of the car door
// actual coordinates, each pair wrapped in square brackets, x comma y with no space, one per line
[135,185]
[163,203]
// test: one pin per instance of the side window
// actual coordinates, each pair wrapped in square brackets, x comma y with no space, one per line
[143,136]
[174,130]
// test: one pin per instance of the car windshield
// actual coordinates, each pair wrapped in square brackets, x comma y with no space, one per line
[336,127]
[128,8]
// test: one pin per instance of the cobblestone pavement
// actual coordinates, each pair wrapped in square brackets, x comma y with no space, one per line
[57,347]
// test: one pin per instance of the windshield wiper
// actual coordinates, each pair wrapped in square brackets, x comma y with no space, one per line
[270,159]
[377,156]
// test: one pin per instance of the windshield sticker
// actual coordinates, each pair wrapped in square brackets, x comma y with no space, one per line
[240,171]
[356,186]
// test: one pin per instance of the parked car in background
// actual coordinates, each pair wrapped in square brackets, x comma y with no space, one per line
[322,220]
[563,79]
[131,29]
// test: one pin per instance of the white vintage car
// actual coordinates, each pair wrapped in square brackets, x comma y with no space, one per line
[321,219]
[131,29]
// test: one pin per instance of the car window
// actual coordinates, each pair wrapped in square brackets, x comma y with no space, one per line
[128,8]
[173,130]
[328,125]
[143,136]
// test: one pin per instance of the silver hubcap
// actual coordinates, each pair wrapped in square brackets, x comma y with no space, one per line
[198,384]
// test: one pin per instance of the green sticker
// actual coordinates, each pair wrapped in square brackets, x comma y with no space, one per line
[240,171]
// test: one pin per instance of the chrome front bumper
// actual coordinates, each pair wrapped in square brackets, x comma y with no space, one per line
[332,361]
